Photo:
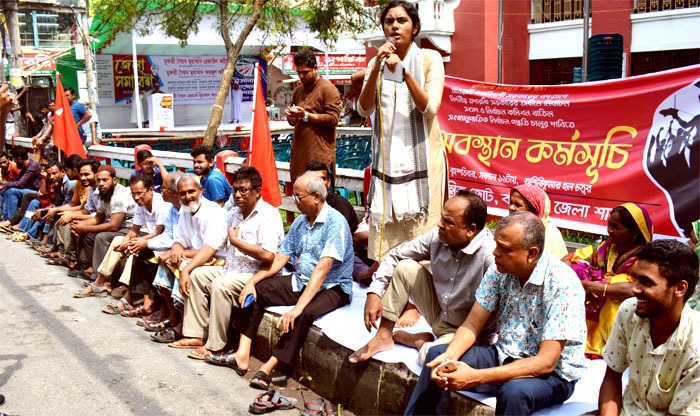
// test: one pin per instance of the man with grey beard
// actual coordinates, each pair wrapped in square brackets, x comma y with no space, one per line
[200,242]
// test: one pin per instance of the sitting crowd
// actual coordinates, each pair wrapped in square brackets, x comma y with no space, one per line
[197,260]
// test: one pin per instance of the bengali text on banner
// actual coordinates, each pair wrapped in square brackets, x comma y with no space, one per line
[591,146]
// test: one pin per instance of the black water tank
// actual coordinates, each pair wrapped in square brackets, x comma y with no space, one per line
[605,56]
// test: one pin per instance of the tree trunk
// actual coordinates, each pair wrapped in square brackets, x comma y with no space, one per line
[12,19]
[232,52]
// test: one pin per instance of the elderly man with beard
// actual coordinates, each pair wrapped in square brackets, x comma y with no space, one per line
[255,232]
[114,215]
[200,245]
[654,337]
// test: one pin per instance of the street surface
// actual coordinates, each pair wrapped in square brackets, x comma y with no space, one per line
[62,356]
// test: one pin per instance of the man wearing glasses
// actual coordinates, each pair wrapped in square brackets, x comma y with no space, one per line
[255,232]
[314,113]
[320,243]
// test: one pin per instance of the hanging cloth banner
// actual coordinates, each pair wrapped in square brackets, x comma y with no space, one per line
[591,146]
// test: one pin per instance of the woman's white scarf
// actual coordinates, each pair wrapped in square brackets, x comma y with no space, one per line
[399,188]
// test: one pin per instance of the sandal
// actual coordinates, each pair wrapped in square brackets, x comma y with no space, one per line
[135,312]
[166,336]
[187,343]
[58,261]
[155,326]
[95,290]
[227,360]
[270,401]
[154,317]
[200,353]
[118,308]
[260,381]
[315,407]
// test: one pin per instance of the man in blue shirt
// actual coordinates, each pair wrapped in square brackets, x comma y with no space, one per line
[538,357]
[320,242]
[81,115]
[216,187]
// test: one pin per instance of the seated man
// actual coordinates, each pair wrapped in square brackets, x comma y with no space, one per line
[28,180]
[138,273]
[62,217]
[320,243]
[62,188]
[654,336]
[216,187]
[200,246]
[334,200]
[151,167]
[114,215]
[255,232]
[541,331]
[460,250]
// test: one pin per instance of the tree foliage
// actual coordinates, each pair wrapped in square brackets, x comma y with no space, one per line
[181,18]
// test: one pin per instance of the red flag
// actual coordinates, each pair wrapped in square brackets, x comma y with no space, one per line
[261,155]
[65,131]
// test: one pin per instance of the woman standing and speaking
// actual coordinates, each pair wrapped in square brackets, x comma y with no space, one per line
[403,86]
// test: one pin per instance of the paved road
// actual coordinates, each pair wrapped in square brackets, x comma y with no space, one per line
[62,356]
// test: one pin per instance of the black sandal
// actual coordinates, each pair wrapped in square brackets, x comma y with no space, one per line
[261,381]
[166,336]
[227,360]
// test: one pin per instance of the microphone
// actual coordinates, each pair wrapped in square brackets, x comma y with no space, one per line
[390,40]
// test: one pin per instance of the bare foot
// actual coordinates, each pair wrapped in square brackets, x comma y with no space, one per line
[375,345]
[409,317]
[412,340]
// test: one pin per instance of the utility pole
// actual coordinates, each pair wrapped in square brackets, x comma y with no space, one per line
[16,55]
[584,59]
[89,66]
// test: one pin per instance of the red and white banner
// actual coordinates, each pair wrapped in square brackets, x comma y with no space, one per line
[591,146]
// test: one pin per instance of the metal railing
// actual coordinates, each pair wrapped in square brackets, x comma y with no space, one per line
[647,6]
[546,11]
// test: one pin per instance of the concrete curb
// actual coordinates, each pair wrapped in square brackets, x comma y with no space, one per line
[371,388]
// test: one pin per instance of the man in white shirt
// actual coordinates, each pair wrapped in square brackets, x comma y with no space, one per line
[149,222]
[200,241]
[255,232]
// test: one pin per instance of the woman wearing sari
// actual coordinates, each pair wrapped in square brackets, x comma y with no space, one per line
[532,198]
[403,89]
[606,270]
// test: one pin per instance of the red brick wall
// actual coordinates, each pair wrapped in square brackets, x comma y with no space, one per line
[468,43]
[516,42]
[613,16]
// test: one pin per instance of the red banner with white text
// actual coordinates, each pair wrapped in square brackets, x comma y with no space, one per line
[591,146]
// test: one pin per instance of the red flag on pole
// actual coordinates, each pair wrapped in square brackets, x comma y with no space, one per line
[261,155]
[65,131]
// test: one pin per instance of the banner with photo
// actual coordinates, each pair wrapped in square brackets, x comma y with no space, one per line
[191,79]
[591,146]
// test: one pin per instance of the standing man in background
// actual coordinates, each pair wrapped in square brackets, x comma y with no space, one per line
[236,101]
[81,115]
[314,113]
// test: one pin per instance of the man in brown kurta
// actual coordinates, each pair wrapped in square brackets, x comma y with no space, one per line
[314,113]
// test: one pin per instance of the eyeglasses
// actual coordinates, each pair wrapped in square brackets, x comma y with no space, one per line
[242,191]
[297,199]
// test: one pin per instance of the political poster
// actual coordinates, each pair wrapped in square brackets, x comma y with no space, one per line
[591,146]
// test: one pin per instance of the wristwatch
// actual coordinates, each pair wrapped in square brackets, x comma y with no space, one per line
[306,117]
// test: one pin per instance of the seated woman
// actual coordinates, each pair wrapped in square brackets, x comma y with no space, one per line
[606,270]
[532,198]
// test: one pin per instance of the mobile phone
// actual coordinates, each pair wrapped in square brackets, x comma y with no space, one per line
[448,366]
[249,300]
[43,212]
